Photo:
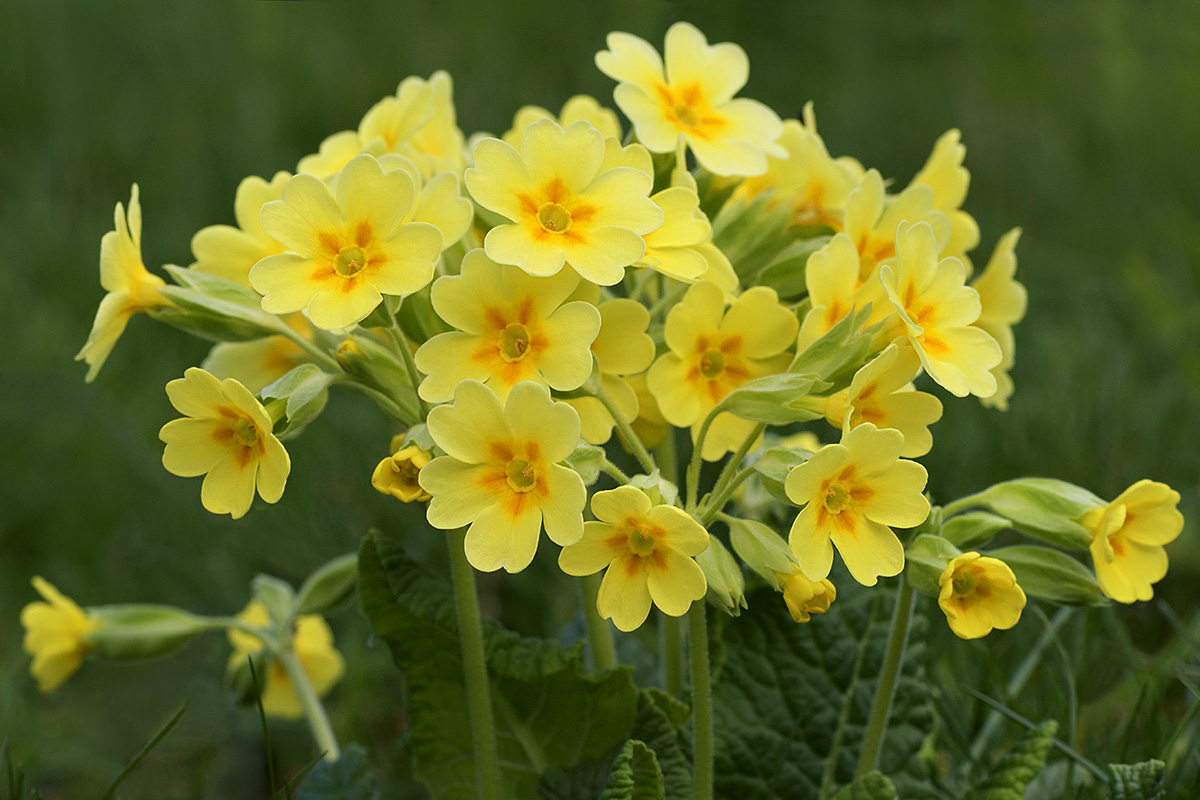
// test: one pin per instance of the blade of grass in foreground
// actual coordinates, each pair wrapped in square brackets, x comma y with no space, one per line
[145,751]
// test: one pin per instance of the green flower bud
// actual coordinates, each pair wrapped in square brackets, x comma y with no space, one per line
[925,560]
[329,587]
[1041,507]
[975,528]
[141,631]
[276,596]
[763,550]
[726,586]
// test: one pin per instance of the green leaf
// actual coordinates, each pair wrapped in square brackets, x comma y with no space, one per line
[663,723]
[1142,781]
[1051,575]
[772,399]
[348,778]
[1008,777]
[550,708]
[839,353]
[635,775]
[872,786]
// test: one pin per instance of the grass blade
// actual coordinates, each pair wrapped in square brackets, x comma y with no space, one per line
[145,751]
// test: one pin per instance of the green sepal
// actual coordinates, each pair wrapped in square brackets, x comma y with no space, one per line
[925,560]
[329,587]
[277,597]
[660,490]
[840,352]
[383,314]
[635,775]
[973,529]
[726,584]
[586,460]
[1051,575]
[752,234]
[1043,508]
[763,550]
[306,389]
[131,631]
[773,467]
[773,399]
[785,273]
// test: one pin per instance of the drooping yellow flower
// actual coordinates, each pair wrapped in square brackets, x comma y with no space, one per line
[225,435]
[580,107]
[853,493]
[130,287]
[312,642]
[511,327]
[712,351]
[230,251]
[397,475]
[1002,301]
[438,145]
[690,97]
[978,594]
[648,551]
[834,289]
[564,207]
[881,393]
[938,311]
[501,475]
[872,219]
[349,249]
[945,174]
[55,635]
[1128,537]
[804,597]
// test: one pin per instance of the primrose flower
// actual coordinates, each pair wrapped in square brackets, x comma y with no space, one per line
[230,252]
[872,219]
[712,351]
[55,635]
[804,597]
[649,554]
[397,475]
[225,435]
[689,99]
[349,249]
[565,208]
[881,393]
[312,642]
[979,594]
[580,107]
[501,476]
[512,327]
[938,310]
[945,174]
[834,289]
[130,287]
[1128,537]
[853,493]
[1002,301]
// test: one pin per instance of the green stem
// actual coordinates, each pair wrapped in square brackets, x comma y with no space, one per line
[960,505]
[693,471]
[702,716]
[718,501]
[626,432]
[314,712]
[670,651]
[665,455]
[668,299]
[410,366]
[600,638]
[470,631]
[613,471]
[390,407]
[327,361]
[893,657]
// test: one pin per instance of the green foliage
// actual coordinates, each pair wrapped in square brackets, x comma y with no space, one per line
[550,709]
[872,786]
[306,389]
[664,724]
[1007,779]
[347,778]
[635,775]
[1142,781]
[151,743]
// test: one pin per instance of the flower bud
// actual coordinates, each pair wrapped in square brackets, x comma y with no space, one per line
[925,560]
[660,490]
[763,550]
[328,587]
[726,586]
[132,631]
[804,597]
[397,475]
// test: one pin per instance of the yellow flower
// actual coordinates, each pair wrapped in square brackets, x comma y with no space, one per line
[350,249]
[1128,537]
[226,436]
[565,208]
[512,327]
[834,289]
[881,393]
[691,99]
[804,597]
[501,476]
[55,635]
[712,351]
[938,310]
[1002,301]
[949,179]
[130,287]
[979,594]
[397,475]
[312,642]
[648,551]
[853,493]
[258,363]
[580,107]
[872,219]
[230,252]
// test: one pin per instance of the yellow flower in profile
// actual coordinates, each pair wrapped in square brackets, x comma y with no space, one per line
[945,174]
[580,107]
[349,249]
[1128,537]
[938,311]
[881,393]
[130,287]
[804,597]
[312,642]
[979,594]
[834,289]
[501,475]
[1002,301]
[512,327]
[712,351]
[55,635]
[648,551]
[229,251]
[225,435]
[565,208]
[397,475]
[853,493]
[872,219]
[689,98]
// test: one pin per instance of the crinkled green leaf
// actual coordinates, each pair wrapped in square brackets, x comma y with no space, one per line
[664,724]
[1142,781]
[872,786]
[1008,777]
[635,775]
[348,778]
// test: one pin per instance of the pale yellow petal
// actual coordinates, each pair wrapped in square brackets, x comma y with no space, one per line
[812,548]
[624,596]
[512,244]
[466,429]
[498,540]
[630,59]
[570,155]
[562,509]
[675,587]
[591,553]
[447,359]
[622,346]
[341,308]
[228,487]
[533,417]
[615,505]
[457,494]
[498,176]
[602,260]
[720,69]
[870,551]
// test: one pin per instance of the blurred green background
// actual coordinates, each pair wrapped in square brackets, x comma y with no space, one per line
[1082,123]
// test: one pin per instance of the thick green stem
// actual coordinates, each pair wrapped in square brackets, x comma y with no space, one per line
[600,638]
[410,366]
[665,455]
[693,471]
[314,712]
[718,501]
[614,472]
[470,632]
[670,653]
[893,658]
[702,717]
[626,432]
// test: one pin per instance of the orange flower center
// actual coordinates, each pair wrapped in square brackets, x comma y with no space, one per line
[514,342]
[520,475]
[350,260]
[836,498]
[554,218]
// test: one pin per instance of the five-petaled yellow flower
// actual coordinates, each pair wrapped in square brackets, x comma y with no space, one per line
[130,287]
[55,635]
[978,594]
[853,493]
[689,98]
[501,475]
[649,552]
[350,249]
[872,219]
[1128,537]
[565,208]
[397,475]
[225,435]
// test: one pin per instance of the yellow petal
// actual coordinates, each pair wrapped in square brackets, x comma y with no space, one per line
[870,550]
[624,596]
[467,428]
[591,553]
[675,587]
[458,497]
[496,539]
[719,69]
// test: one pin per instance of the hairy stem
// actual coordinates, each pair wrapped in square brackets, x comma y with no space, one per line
[314,712]
[893,657]
[600,638]
[702,715]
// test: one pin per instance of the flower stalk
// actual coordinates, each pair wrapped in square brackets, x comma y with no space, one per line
[889,674]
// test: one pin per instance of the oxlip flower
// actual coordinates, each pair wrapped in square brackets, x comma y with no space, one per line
[1128,536]
[978,594]
[55,635]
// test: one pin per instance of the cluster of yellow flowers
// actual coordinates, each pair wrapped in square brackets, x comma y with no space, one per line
[515,305]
